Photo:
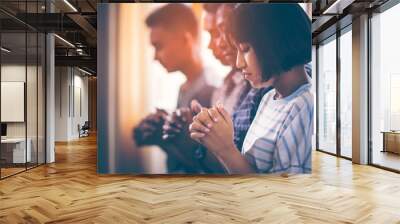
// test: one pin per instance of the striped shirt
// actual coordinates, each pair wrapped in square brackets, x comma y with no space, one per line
[245,113]
[279,138]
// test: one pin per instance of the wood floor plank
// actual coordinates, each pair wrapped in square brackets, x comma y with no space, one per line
[70,191]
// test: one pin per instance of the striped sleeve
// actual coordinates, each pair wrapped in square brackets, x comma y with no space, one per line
[293,146]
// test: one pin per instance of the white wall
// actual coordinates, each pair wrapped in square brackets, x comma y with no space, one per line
[33,127]
[71,87]
[79,117]
[12,73]
[61,103]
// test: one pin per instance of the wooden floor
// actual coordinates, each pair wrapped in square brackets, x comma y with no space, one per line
[387,159]
[70,191]
[10,171]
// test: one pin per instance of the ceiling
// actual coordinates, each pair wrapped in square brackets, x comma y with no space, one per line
[332,15]
[76,22]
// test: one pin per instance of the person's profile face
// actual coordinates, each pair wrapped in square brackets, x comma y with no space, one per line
[211,27]
[247,62]
[223,43]
[167,49]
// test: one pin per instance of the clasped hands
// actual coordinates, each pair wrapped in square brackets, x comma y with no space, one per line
[149,130]
[213,127]
[160,127]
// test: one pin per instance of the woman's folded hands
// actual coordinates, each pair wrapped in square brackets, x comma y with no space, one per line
[213,127]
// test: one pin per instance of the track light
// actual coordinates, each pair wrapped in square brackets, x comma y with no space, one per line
[65,41]
[331,7]
[337,7]
[84,71]
[5,50]
[70,5]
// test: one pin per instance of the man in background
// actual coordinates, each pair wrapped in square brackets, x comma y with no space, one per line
[174,34]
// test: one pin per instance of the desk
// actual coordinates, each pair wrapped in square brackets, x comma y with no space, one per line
[15,148]
[391,141]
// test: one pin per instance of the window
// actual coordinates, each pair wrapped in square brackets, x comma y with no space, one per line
[22,76]
[385,88]
[346,93]
[327,96]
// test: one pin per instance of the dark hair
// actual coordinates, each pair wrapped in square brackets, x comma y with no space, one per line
[211,7]
[280,35]
[177,17]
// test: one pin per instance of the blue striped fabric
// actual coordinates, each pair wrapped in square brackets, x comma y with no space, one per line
[246,110]
[245,113]
[279,138]
[308,68]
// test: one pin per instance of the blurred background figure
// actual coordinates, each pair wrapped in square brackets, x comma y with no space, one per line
[174,34]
